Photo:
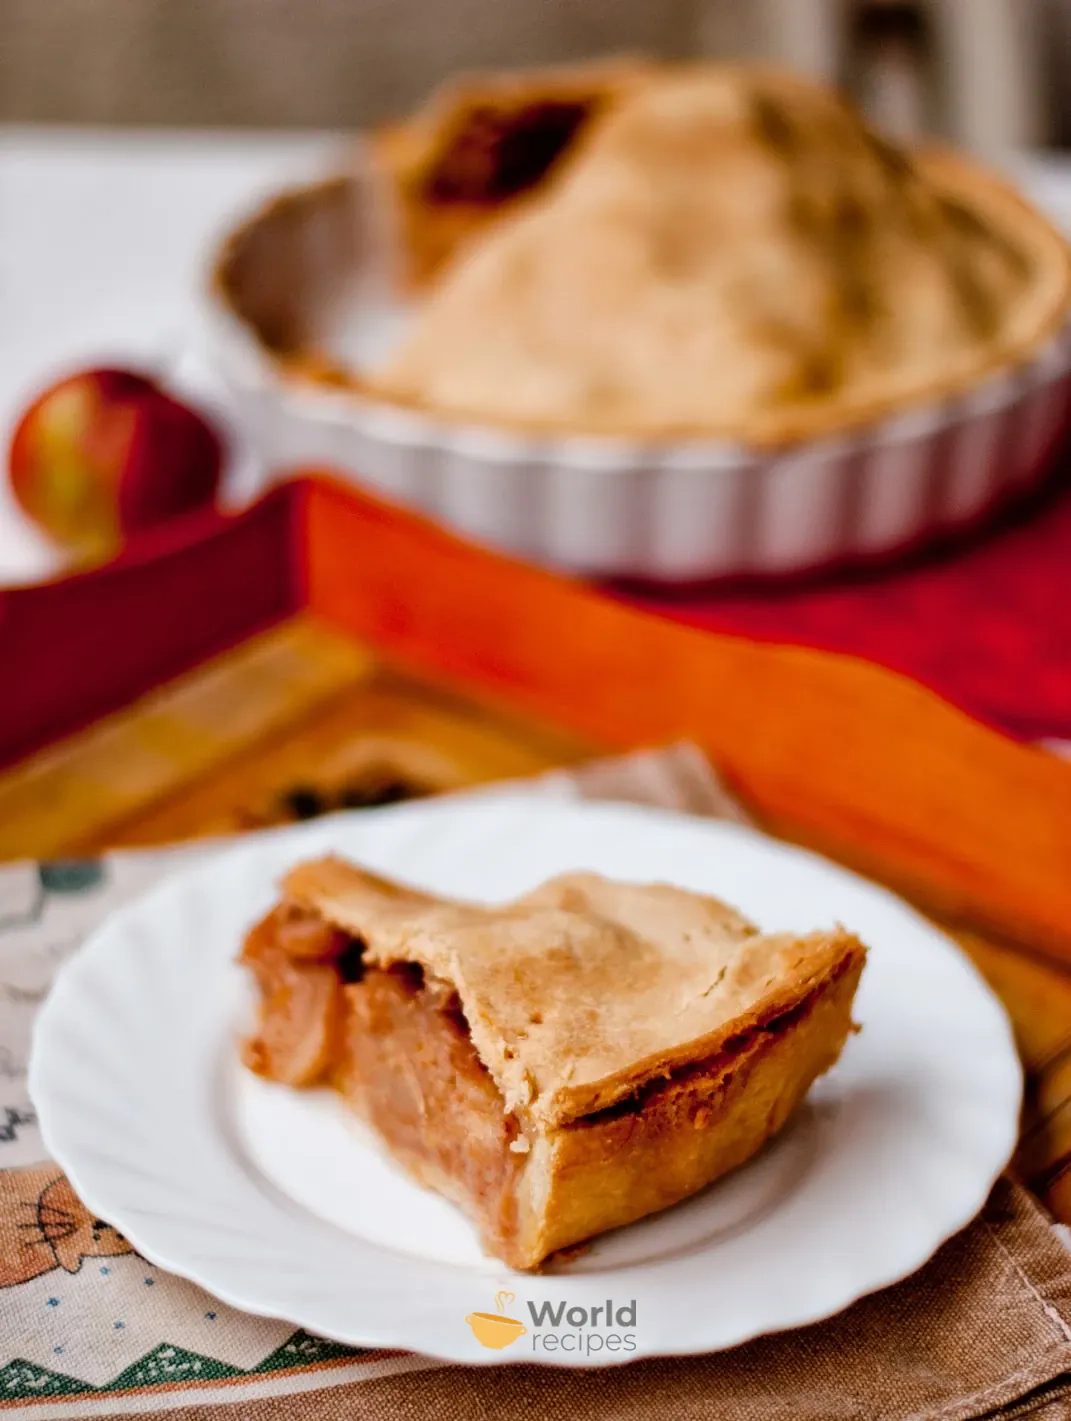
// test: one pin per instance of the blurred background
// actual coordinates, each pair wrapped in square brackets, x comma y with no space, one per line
[135,134]
[986,73]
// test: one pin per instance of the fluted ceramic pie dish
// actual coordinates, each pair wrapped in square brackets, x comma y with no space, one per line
[723,330]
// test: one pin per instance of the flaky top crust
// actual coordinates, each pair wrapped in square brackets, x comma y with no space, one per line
[583,990]
[728,252]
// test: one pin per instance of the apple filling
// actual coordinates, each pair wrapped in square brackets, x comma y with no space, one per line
[293,957]
[397,1046]
[410,1069]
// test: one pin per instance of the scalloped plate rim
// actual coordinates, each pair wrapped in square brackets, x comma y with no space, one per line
[433,824]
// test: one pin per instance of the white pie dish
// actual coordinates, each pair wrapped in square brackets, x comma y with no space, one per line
[278,1205]
[600,506]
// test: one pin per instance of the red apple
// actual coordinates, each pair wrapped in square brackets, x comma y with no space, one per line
[105,453]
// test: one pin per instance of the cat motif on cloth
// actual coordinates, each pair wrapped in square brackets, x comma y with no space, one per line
[44,1225]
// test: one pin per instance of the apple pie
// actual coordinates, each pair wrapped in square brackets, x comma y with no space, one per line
[560,1065]
[657,251]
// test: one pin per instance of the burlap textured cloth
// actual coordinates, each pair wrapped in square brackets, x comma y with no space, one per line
[90,1329]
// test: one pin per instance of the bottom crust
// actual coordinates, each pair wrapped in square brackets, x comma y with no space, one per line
[614,1168]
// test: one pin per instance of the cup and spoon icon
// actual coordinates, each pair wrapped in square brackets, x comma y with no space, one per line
[495,1329]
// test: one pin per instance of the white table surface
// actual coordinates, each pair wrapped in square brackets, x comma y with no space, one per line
[103,238]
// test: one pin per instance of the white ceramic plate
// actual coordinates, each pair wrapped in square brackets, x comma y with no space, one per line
[278,1204]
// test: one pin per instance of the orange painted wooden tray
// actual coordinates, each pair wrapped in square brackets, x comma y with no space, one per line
[374,656]
[844,755]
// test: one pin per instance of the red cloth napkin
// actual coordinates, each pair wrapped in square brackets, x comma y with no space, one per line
[986,622]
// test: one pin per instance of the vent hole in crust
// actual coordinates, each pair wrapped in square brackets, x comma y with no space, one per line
[493,153]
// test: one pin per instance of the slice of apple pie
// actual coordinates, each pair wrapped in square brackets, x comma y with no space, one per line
[559,1065]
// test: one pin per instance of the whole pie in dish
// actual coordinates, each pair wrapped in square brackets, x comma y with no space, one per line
[698,251]
[564,1064]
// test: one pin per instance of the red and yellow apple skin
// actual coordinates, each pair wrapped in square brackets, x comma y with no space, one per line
[106,453]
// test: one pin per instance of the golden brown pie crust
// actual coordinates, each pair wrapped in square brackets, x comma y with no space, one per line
[605,1049]
[727,251]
